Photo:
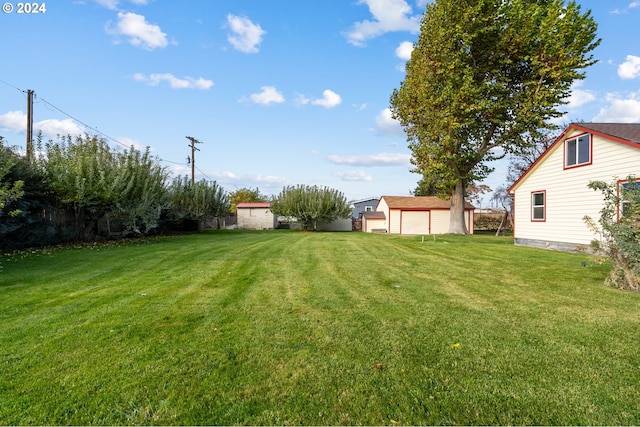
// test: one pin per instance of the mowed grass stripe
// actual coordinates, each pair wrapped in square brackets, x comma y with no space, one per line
[315,328]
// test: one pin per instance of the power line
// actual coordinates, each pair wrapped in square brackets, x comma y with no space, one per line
[51,106]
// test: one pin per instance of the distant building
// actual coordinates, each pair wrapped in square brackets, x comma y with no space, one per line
[413,215]
[255,216]
[363,205]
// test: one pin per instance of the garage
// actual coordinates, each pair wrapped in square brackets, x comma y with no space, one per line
[414,222]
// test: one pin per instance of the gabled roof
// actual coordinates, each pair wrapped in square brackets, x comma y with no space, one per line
[254,205]
[419,202]
[629,132]
[364,200]
[374,215]
[624,133]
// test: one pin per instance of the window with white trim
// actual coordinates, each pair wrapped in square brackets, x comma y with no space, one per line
[577,151]
[629,197]
[368,208]
[538,206]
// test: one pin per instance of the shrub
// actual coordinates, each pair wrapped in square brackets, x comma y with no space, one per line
[619,230]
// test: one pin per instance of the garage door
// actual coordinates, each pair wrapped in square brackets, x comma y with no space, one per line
[414,222]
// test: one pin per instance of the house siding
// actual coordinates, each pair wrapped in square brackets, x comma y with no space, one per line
[568,199]
[440,222]
[361,206]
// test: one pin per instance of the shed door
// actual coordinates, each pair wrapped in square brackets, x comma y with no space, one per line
[414,222]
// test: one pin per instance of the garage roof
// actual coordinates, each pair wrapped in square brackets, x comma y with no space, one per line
[419,202]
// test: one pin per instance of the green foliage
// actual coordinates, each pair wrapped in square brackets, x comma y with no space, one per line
[619,229]
[198,201]
[483,74]
[245,195]
[95,181]
[311,205]
[31,212]
[10,190]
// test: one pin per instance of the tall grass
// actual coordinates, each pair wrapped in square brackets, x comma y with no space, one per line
[315,328]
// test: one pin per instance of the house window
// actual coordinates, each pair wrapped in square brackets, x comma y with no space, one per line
[538,205]
[629,197]
[368,208]
[577,151]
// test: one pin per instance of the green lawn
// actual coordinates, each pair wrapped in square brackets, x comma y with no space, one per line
[234,327]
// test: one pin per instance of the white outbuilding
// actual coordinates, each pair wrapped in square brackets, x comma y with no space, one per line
[256,216]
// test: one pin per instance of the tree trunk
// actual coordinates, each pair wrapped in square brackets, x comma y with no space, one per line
[457,223]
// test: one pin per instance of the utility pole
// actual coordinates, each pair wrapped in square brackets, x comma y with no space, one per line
[29,124]
[193,155]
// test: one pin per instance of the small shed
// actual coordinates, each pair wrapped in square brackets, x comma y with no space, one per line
[256,216]
[374,221]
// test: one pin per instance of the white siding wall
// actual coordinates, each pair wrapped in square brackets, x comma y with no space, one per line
[370,224]
[394,221]
[255,219]
[415,222]
[568,199]
[440,221]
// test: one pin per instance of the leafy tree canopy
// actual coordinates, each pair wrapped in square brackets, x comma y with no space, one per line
[311,205]
[245,195]
[482,76]
[9,190]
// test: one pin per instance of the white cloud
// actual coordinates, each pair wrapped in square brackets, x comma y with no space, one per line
[389,15]
[52,127]
[368,160]
[300,99]
[579,96]
[113,4]
[174,82]
[251,180]
[130,142]
[403,51]
[269,95]
[620,110]
[387,125]
[13,121]
[16,121]
[357,175]
[245,35]
[139,31]
[329,99]
[630,69]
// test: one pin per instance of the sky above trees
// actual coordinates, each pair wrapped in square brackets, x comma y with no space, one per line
[279,92]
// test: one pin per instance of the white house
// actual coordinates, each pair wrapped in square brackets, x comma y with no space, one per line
[412,215]
[551,199]
[256,216]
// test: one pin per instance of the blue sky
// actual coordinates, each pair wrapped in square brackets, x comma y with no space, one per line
[280,92]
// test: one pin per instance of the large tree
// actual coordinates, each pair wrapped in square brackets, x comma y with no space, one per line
[311,205]
[484,74]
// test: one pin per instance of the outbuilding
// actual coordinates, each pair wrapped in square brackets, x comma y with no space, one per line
[413,215]
[256,216]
